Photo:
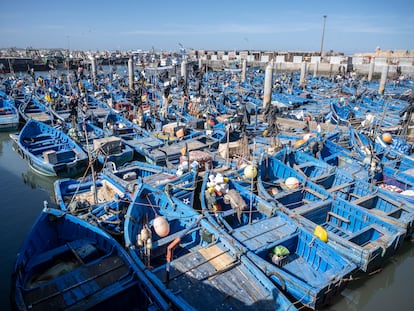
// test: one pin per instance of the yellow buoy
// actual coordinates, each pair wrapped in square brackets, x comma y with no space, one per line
[161,226]
[387,138]
[321,234]
[265,133]
[292,183]
[299,143]
[250,171]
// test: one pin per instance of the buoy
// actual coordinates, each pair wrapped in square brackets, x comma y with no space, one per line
[292,183]
[299,143]
[265,133]
[161,226]
[250,171]
[145,234]
[321,234]
[387,138]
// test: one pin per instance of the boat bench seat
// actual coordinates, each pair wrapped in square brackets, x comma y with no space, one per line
[39,150]
[65,156]
[340,187]
[42,143]
[168,239]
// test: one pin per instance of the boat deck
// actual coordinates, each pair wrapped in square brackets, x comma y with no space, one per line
[210,279]
[75,286]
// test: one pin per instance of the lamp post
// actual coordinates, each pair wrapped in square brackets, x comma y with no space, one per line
[323,33]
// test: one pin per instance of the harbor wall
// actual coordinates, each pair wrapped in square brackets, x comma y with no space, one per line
[323,68]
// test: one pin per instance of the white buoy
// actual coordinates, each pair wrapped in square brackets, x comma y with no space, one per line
[250,171]
[371,69]
[268,84]
[292,183]
[161,226]
[384,75]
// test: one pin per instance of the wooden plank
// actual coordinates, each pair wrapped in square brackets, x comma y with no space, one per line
[216,257]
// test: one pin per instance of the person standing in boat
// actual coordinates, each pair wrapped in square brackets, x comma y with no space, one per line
[74,109]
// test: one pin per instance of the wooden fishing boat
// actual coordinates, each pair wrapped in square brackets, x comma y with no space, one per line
[309,270]
[49,151]
[352,230]
[190,261]
[66,263]
[9,116]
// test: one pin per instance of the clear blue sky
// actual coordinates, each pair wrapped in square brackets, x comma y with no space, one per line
[351,25]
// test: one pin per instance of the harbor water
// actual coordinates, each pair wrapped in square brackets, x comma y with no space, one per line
[22,193]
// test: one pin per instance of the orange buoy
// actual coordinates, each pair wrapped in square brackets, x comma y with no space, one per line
[387,138]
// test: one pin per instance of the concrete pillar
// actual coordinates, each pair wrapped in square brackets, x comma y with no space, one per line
[384,75]
[243,73]
[303,74]
[200,64]
[93,60]
[184,70]
[268,84]
[371,69]
[131,73]
[315,69]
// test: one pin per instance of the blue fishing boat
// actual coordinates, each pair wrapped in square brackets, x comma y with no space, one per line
[49,151]
[136,137]
[67,264]
[32,108]
[179,184]
[100,201]
[308,270]
[9,116]
[362,237]
[190,261]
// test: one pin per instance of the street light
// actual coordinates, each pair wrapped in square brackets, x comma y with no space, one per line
[323,33]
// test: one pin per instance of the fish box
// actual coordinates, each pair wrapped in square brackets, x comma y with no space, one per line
[108,145]
[171,128]
[234,148]
[50,156]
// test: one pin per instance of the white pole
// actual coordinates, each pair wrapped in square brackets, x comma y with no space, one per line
[371,69]
[131,73]
[303,74]
[268,84]
[384,75]
[244,66]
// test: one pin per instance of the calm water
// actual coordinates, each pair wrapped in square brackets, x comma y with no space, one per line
[22,194]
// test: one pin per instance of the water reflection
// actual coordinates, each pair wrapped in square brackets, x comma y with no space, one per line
[40,182]
[381,290]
